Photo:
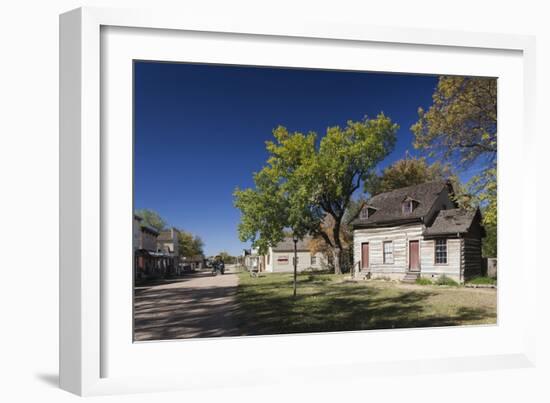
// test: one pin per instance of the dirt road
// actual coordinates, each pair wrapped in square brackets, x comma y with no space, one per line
[197,305]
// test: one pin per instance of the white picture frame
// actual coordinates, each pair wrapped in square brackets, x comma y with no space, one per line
[88,317]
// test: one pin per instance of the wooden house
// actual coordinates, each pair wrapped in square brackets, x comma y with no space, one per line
[280,258]
[149,260]
[417,231]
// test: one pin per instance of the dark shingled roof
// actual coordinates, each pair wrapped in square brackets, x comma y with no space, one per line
[389,204]
[455,221]
[287,245]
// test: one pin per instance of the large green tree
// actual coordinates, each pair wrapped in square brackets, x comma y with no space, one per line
[461,127]
[152,218]
[406,172]
[189,245]
[304,182]
[274,206]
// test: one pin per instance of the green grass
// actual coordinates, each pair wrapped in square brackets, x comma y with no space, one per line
[326,302]
[482,280]
[423,281]
[444,280]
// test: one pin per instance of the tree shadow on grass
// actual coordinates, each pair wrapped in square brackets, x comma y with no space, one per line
[341,307]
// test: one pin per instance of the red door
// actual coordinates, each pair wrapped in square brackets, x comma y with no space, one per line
[365,255]
[414,257]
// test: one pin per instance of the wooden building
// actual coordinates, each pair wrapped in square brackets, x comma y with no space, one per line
[417,231]
[149,261]
[167,245]
[280,258]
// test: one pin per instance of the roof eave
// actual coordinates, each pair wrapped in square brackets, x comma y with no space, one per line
[458,234]
[387,223]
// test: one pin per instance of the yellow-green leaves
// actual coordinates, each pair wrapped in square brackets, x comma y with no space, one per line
[189,245]
[461,124]
[303,182]
[461,127]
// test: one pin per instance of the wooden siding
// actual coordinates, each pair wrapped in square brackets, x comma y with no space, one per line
[427,258]
[284,261]
[400,237]
[471,257]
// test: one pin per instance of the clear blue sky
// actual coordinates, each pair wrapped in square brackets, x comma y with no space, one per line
[200,131]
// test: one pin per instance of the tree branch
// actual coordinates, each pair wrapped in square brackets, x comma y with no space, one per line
[325,237]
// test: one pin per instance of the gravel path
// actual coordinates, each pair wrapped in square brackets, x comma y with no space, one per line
[197,305]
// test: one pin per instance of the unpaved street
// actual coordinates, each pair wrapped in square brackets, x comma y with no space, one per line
[196,305]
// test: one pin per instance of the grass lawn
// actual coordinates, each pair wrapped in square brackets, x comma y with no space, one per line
[482,280]
[326,302]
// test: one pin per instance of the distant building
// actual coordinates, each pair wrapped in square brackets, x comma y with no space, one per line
[253,261]
[167,244]
[167,241]
[137,232]
[196,262]
[148,238]
[148,260]
[280,258]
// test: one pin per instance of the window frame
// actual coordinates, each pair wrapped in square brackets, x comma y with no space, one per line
[283,260]
[384,260]
[409,204]
[446,244]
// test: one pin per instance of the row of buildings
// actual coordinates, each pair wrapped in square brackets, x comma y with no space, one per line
[412,232]
[156,253]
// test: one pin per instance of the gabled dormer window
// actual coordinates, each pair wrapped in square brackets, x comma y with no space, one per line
[408,205]
[367,211]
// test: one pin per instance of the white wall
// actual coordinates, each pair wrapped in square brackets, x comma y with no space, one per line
[276,261]
[29,166]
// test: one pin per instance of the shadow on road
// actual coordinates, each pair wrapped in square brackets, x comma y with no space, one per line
[200,305]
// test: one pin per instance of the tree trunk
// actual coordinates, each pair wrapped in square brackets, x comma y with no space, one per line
[336,254]
[337,250]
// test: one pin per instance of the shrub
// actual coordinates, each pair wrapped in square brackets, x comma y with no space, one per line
[423,281]
[444,280]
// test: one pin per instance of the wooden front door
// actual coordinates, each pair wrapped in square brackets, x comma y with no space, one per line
[365,255]
[414,256]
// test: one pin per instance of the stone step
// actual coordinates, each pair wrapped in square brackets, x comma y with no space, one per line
[410,277]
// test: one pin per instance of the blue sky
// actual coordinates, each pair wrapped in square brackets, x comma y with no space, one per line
[200,131]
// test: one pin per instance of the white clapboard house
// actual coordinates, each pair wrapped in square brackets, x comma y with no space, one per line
[417,231]
[280,258]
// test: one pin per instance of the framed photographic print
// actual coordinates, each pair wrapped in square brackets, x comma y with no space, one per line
[261,193]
